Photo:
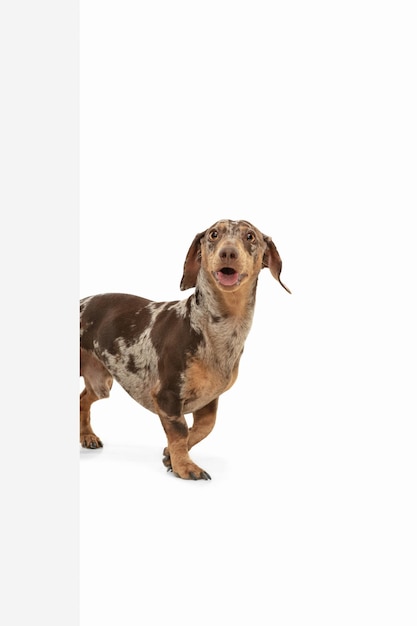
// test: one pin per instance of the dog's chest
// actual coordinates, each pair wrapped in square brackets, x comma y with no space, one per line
[211,371]
[202,383]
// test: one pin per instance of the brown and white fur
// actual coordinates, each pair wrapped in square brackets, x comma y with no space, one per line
[176,358]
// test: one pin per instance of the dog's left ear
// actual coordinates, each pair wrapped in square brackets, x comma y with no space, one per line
[192,263]
[273,261]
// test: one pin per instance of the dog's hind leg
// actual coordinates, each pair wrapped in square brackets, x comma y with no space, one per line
[98,382]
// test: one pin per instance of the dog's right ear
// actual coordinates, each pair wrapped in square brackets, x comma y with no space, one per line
[192,263]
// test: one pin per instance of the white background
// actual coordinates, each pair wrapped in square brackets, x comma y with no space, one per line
[299,117]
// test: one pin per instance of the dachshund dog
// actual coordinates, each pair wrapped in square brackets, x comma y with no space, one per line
[176,358]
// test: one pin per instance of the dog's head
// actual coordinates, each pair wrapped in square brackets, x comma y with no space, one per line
[232,253]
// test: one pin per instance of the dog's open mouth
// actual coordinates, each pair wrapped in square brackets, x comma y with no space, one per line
[227,276]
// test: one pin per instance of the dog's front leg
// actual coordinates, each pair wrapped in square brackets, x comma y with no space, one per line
[176,457]
[169,407]
[203,423]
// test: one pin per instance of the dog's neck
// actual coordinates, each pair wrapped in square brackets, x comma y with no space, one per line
[223,314]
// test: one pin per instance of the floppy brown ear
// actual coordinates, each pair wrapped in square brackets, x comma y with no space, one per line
[273,261]
[192,263]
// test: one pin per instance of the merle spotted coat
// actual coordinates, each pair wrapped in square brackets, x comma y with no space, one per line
[176,358]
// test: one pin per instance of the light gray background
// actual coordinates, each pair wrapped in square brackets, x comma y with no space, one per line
[299,117]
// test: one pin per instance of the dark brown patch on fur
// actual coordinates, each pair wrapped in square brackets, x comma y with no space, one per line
[168,402]
[131,365]
[174,337]
[174,341]
[116,315]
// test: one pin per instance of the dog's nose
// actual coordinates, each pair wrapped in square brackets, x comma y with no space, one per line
[228,253]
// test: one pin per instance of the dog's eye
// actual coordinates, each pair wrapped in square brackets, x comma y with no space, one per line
[213,234]
[250,236]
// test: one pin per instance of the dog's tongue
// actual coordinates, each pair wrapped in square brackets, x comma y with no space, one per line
[227,279]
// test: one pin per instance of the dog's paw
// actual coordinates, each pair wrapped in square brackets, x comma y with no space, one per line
[184,469]
[90,441]
[166,459]
[203,475]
